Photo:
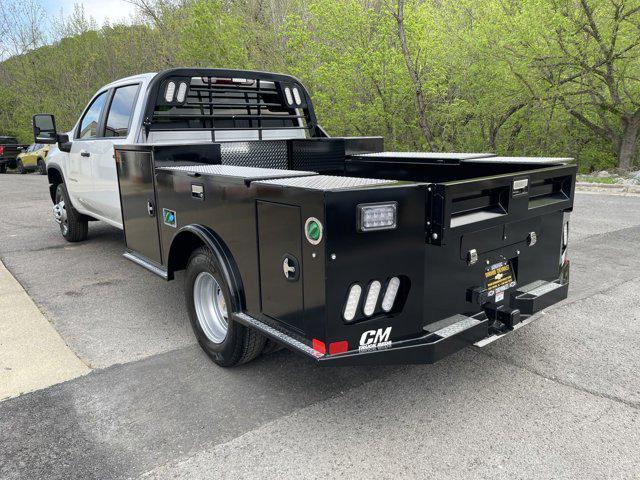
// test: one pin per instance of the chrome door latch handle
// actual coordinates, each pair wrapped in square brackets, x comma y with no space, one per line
[151,209]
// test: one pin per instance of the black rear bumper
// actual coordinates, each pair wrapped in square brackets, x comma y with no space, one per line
[459,332]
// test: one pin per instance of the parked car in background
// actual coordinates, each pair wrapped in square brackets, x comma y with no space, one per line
[9,150]
[33,158]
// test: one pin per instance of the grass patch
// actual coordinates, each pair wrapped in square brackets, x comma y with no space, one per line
[605,180]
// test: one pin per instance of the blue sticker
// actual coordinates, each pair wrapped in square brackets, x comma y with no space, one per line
[169,217]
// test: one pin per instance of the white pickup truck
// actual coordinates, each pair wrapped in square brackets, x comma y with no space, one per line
[333,247]
[81,170]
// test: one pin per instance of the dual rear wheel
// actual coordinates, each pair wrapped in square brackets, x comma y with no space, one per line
[208,299]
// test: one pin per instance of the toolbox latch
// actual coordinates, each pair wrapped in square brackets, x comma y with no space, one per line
[472,257]
[197,191]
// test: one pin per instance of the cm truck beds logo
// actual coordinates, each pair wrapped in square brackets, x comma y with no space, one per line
[375,339]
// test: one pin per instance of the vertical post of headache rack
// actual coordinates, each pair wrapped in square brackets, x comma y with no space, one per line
[213,120]
[258,98]
[247,106]
[203,118]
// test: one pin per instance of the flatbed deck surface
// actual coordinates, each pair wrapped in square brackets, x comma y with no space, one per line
[523,160]
[426,157]
[327,182]
[235,172]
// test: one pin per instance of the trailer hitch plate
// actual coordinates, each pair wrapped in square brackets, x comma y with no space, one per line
[486,341]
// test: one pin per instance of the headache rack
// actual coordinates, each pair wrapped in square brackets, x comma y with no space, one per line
[247,102]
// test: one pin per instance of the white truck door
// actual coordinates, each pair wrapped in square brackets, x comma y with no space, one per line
[80,176]
[117,129]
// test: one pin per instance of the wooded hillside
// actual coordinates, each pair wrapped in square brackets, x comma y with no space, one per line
[522,77]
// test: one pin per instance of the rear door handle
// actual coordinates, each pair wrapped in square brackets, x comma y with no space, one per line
[84,153]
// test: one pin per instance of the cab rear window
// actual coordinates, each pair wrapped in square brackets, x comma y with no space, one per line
[120,111]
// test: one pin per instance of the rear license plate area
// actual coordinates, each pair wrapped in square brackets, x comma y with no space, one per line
[498,278]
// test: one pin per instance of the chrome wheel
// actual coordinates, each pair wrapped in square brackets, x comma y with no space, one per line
[60,216]
[211,307]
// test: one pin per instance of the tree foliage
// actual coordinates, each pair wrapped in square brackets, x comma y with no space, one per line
[517,77]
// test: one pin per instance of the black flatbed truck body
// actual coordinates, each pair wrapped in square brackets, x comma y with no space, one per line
[256,217]
[477,247]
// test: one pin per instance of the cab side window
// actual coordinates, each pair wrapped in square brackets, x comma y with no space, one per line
[120,111]
[91,120]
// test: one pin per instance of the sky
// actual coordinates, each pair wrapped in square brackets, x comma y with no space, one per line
[100,10]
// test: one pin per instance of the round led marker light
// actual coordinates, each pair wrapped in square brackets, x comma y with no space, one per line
[390,295]
[313,230]
[353,299]
[296,96]
[171,89]
[287,93]
[182,92]
[372,298]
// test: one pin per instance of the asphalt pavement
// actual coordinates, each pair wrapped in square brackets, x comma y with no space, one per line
[559,398]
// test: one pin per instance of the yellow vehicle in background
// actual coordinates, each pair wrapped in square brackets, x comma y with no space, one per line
[34,158]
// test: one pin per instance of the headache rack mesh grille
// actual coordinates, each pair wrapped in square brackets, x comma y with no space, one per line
[218,104]
[271,154]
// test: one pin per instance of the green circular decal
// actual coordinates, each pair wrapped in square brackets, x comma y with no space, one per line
[313,229]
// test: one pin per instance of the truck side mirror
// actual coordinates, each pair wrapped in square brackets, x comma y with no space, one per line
[44,128]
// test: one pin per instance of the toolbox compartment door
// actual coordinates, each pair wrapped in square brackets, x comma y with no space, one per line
[280,241]
[138,203]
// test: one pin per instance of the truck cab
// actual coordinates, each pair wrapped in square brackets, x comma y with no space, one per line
[84,162]
[331,246]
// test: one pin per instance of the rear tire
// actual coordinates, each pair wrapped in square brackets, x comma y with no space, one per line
[73,227]
[20,168]
[227,342]
[42,167]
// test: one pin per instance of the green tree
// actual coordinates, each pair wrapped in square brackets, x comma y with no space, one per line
[535,77]
[585,57]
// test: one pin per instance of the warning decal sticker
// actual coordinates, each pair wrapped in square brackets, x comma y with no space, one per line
[498,278]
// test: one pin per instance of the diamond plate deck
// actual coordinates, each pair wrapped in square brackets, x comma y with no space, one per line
[327,182]
[523,160]
[246,173]
[421,156]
